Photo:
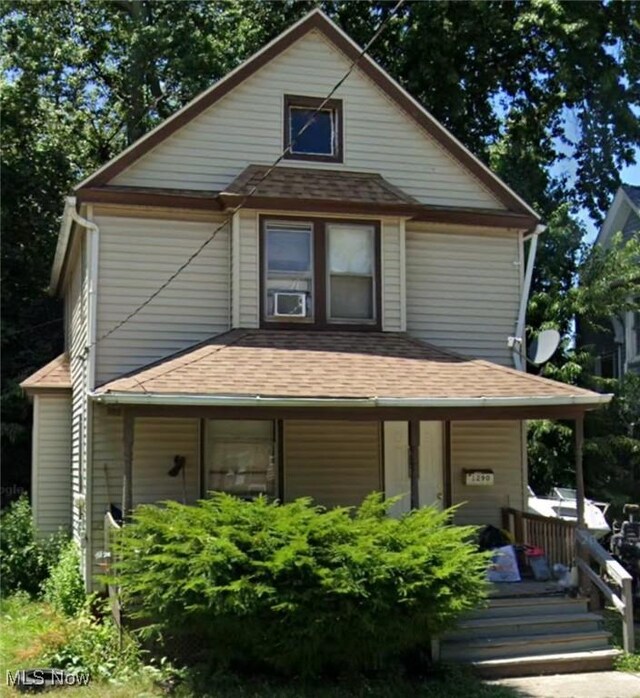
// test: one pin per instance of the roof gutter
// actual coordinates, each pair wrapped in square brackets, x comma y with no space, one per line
[116,398]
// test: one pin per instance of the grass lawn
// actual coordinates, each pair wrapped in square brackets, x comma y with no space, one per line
[613,623]
[27,626]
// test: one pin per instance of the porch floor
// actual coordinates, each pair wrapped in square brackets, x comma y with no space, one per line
[524,588]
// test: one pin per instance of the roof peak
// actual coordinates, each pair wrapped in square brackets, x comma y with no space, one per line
[316,19]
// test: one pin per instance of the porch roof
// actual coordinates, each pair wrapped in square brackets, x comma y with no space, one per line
[56,375]
[339,369]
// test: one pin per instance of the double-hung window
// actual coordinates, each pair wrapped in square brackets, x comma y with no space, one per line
[320,272]
[351,273]
[288,271]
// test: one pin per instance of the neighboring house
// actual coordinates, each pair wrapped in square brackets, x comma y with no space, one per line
[345,331]
[617,349]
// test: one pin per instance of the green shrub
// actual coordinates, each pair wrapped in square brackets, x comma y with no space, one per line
[24,559]
[64,589]
[294,588]
[94,646]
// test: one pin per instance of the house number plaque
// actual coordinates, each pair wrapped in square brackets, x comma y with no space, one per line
[478,478]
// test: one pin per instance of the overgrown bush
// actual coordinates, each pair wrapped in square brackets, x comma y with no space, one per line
[93,646]
[64,589]
[25,560]
[294,588]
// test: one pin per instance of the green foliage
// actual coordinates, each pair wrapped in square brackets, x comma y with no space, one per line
[64,589]
[611,449]
[94,646]
[525,85]
[295,588]
[25,560]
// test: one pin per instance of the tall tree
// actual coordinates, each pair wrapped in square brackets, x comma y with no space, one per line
[528,86]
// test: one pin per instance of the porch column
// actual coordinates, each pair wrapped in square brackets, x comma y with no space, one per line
[414,461]
[579,440]
[127,471]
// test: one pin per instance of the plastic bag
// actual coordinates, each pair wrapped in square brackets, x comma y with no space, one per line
[504,565]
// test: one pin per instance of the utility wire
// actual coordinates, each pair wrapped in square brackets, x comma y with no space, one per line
[242,203]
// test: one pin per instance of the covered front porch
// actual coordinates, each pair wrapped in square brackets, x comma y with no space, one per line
[328,415]
[335,416]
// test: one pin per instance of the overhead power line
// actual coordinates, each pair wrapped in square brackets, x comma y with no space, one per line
[243,201]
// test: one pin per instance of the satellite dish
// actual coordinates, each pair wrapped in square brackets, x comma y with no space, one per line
[543,346]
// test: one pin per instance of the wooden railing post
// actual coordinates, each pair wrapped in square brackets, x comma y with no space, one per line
[628,630]
[518,528]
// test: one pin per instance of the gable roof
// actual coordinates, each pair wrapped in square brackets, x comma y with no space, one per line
[336,366]
[626,202]
[56,375]
[633,194]
[315,20]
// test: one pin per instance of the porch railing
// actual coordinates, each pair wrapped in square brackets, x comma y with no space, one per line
[611,574]
[110,530]
[556,537]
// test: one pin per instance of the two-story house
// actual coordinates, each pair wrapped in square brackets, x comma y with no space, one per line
[617,349]
[335,326]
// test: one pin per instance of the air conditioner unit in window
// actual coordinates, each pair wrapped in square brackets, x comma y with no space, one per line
[289,304]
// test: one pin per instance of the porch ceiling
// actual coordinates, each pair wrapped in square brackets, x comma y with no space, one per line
[338,370]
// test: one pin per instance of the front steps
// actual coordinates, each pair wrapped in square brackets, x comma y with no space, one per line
[530,630]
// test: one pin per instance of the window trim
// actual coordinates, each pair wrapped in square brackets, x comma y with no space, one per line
[321,319]
[313,103]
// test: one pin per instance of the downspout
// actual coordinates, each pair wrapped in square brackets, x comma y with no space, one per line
[90,371]
[517,343]
[92,263]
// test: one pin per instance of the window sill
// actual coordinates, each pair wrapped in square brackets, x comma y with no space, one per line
[308,157]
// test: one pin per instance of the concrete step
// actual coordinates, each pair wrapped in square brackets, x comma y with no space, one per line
[561,663]
[485,627]
[521,606]
[503,647]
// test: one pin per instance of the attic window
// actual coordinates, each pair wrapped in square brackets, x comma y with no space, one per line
[321,139]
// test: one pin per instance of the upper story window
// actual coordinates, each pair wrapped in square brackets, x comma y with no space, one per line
[321,139]
[351,275]
[289,270]
[321,272]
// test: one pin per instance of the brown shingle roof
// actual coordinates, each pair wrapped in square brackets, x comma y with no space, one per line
[306,184]
[55,374]
[297,364]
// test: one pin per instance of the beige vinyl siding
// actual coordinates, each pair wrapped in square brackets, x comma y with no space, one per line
[335,463]
[136,256]
[392,276]
[246,126]
[156,442]
[490,445]
[51,462]
[248,270]
[77,301]
[463,290]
